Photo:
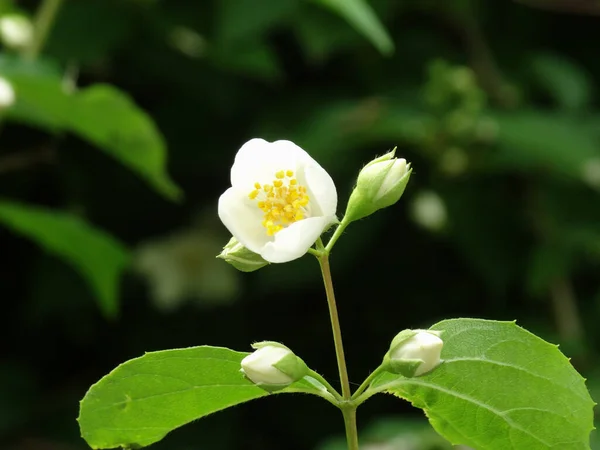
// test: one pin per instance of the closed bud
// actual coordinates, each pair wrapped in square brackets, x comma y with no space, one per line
[241,258]
[273,366]
[7,94]
[16,31]
[414,352]
[380,184]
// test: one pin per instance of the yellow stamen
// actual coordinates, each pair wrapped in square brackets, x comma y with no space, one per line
[283,202]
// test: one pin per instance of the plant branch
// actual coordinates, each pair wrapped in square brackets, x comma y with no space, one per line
[350,426]
[328,386]
[366,383]
[568,319]
[336,235]
[44,19]
[346,405]
[25,160]
[335,326]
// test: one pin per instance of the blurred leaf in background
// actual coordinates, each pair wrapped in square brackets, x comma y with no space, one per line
[97,256]
[494,103]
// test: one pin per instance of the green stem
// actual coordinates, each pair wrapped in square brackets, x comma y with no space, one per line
[328,386]
[350,425]
[366,384]
[44,19]
[348,408]
[324,395]
[336,235]
[335,326]
[315,252]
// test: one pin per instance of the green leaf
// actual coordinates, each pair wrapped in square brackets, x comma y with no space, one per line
[247,19]
[251,58]
[499,387]
[531,140]
[361,16]
[145,398]
[110,119]
[564,80]
[101,114]
[97,256]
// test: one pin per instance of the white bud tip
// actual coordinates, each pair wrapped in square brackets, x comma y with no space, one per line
[7,93]
[425,345]
[16,31]
[259,367]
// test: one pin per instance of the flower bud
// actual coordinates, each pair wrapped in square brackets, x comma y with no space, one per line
[414,352]
[380,184]
[241,258]
[273,366]
[16,31]
[7,94]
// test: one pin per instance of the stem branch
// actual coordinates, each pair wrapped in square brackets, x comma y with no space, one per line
[44,19]
[347,407]
[335,326]
[366,383]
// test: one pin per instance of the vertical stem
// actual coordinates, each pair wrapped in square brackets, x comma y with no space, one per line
[44,19]
[335,326]
[568,319]
[350,425]
[348,409]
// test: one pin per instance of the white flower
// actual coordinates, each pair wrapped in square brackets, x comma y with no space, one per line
[420,350]
[280,200]
[273,366]
[7,93]
[16,30]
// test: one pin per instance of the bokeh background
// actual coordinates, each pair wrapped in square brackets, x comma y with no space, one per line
[118,142]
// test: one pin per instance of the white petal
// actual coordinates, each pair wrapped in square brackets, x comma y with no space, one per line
[258,366]
[258,160]
[294,241]
[243,220]
[321,189]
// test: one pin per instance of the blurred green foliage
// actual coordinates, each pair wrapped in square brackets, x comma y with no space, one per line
[494,103]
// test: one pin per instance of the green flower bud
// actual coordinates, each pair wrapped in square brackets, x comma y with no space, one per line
[414,352]
[241,258]
[273,366]
[380,184]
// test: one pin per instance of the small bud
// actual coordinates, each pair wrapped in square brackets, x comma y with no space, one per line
[414,352]
[16,31]
[7,94]
[241,258]
[380,184]
[273,366]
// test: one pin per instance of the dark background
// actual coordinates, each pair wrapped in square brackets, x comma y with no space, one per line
[495,104]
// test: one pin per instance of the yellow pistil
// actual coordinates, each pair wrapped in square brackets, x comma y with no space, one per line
[283,202]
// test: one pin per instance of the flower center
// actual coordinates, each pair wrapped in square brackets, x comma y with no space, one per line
[283,202]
